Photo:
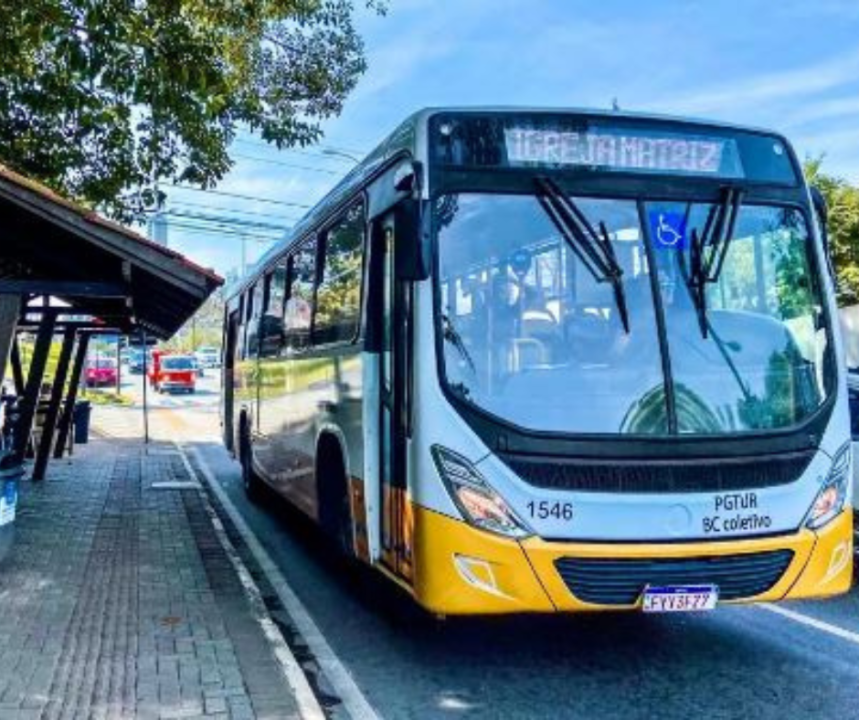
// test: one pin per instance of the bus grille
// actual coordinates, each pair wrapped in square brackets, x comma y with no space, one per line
[621,582]
[661,476]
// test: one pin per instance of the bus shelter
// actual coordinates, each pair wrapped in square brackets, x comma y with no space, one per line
[65,271]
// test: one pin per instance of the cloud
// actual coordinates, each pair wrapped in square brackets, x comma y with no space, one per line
[808,112]
[411,46]
[840,148]
[769,87]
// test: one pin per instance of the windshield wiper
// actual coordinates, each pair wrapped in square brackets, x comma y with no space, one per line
[593,249]
[708,250]
[451,335]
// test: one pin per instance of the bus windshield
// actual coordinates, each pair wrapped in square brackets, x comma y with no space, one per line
[533,336]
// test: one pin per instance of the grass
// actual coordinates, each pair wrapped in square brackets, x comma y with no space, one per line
[97,396]
[103,396]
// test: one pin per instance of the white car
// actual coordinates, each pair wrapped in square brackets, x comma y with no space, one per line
[208,357]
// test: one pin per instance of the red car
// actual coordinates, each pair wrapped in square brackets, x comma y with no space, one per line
[100,371]
[174,372]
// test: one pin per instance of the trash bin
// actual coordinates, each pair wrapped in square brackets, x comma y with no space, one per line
[82,412]
[10,476]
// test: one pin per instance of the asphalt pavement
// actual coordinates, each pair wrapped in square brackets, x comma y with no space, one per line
[736,662]
[790,660]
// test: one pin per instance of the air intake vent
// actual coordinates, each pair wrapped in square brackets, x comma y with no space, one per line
[621,582]
[661,476]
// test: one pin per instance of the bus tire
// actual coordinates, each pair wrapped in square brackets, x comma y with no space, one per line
[250,479]
[332,487]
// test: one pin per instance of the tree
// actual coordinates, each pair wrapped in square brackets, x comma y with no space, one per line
[101,99]
[842,200]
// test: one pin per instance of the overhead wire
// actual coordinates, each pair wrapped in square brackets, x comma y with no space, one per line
[281,163]
[254,198]
[247,234]
[222,208]
[333,148]
[222,220]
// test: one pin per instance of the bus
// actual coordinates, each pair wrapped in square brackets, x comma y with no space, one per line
[556,360]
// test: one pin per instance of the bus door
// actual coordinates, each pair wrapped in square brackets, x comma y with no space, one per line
[396,516]
[228,364]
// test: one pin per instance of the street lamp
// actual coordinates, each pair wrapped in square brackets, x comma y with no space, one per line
[338,153]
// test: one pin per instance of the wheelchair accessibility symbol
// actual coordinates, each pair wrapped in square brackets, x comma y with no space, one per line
[668,230]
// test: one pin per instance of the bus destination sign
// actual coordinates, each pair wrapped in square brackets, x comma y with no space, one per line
[624,150]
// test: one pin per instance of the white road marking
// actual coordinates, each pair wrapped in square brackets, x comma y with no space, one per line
[308,705]
[811,622]
[344,685]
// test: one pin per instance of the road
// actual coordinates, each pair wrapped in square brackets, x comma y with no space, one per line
[737,662]
[171,417]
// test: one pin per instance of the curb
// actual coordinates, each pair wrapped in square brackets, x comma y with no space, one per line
[308,705]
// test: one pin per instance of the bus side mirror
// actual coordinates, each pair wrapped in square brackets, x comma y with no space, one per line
[411,254]
[822,212]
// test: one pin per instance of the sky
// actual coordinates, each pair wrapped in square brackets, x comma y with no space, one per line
[788,65]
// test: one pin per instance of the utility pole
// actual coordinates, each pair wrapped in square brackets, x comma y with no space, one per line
[145,383]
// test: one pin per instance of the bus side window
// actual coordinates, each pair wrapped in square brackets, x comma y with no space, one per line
[271,322]
[853,403]
[245,320]
[299,304]
[255,307]
[277,289]
[338,297]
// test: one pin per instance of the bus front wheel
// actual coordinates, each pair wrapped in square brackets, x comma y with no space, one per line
[332,487]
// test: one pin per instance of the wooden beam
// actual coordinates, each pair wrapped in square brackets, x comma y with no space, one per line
[46,441]
[30,398]
[17,369]
[79,326]
[114,240]
[69,407]
[64,288]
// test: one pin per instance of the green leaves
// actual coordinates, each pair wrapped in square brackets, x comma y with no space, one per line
[842,199]
[102,99]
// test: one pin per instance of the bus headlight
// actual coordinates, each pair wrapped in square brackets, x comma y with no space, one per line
[833,492]
[476,500]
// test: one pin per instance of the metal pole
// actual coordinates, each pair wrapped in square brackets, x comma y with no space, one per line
[17,367]
[57,391]
[118,364]
[74,382]
[145,382]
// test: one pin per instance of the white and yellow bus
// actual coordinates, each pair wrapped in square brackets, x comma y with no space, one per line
[551,360]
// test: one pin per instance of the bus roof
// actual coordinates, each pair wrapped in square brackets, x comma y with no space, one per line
[410,136]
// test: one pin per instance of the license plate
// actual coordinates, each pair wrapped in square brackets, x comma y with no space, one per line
[679,598]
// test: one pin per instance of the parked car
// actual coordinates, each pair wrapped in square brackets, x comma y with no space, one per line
[100,371]
[171,373]
[135,361]
[208,357]
[198,368]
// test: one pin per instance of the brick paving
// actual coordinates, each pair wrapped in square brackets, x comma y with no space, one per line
[118,601]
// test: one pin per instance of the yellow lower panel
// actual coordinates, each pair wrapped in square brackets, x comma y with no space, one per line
[461,570]
[830,569]
[806,576]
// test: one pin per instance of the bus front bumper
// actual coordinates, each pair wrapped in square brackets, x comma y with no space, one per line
[460,570]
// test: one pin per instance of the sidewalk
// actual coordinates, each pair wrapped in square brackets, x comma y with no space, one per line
[118,600]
